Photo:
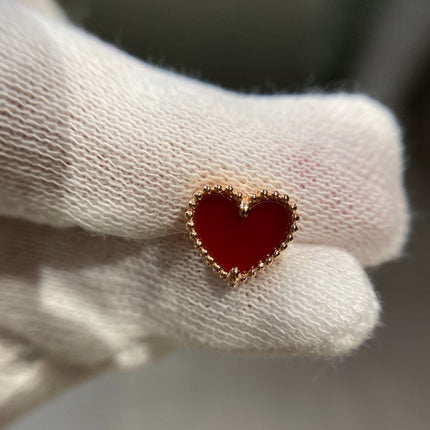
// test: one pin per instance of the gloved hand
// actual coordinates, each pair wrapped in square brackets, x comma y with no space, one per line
[99,155]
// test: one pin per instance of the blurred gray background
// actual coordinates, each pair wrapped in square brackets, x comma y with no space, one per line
[381,47]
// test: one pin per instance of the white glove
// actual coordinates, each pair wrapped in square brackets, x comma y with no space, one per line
[99,155]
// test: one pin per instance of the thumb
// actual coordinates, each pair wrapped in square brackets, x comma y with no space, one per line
[47,7]
[91,137]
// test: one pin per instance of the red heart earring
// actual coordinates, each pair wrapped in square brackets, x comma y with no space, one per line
[240,235]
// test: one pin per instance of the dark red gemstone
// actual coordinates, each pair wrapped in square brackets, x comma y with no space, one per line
[235,241]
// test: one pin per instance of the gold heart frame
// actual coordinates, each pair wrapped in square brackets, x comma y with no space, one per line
[234,276]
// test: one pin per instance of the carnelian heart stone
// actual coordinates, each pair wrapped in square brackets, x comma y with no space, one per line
[236,241]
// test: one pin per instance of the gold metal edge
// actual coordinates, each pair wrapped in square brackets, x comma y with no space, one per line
[235,276]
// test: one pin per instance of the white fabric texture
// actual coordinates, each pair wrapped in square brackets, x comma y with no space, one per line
[99,155]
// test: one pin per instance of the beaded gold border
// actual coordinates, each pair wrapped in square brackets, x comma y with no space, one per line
[245,202]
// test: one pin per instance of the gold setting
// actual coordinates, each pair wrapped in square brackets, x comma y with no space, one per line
[245,203]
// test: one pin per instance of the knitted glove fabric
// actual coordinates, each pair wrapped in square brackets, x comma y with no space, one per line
[99,155]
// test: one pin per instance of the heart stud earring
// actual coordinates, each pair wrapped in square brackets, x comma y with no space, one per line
[239,235]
